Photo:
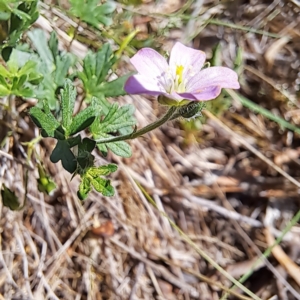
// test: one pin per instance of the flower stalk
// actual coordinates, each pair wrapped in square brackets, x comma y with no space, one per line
[168,116]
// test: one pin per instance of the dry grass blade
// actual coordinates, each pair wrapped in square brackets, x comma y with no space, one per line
[252,149]
[292,268]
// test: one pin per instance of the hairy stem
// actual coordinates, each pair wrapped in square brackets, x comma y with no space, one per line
[142,131]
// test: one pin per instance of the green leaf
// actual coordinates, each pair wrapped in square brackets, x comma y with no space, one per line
[21,57]
[126,130]
[35,78]
[53,44]
[92,177]
[19,76]
[6,52]
[13,67]
[16,17]
[117,118]
[85,159]
[9,198]
[39,41]
[23,92]
[95,69]
[87,145]
[68,97]
[4,16]
[91,12]
[53,64]
[120,148]
[103,186]
[63,64]
[45,121]
[27,68]
[22,79]
[84,188]
[102,170]
[106,8]
[82,120]
[101,105]
[114,88]
[74,141]
[21,14]
[63,152]
[4,72]
[4,91]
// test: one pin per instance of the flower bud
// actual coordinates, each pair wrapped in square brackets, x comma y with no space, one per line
[193,109]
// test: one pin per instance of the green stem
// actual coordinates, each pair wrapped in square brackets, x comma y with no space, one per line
[142,131]
[74,35]
[264,112]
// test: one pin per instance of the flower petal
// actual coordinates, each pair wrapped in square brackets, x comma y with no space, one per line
[191,59]
[149,63]
[208,93]
[139,84]
[212,77]
[174,96]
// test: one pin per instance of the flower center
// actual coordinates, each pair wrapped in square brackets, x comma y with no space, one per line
[179,83]
[179,71]
[175,82]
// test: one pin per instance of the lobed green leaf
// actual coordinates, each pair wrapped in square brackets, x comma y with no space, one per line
[63,152]
[82,120]
[68,97]
[44,121]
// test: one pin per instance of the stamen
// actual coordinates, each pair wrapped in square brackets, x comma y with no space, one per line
[179,73]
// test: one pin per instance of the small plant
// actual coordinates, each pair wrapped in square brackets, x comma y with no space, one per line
[46,73]
[19,81]
[93,12]
[94,76]
[16,17]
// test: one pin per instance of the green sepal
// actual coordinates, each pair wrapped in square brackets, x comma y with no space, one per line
[163,100]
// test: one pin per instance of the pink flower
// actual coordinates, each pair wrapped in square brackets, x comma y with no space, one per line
[181,78]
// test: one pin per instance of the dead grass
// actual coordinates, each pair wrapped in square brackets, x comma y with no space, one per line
[221,192]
